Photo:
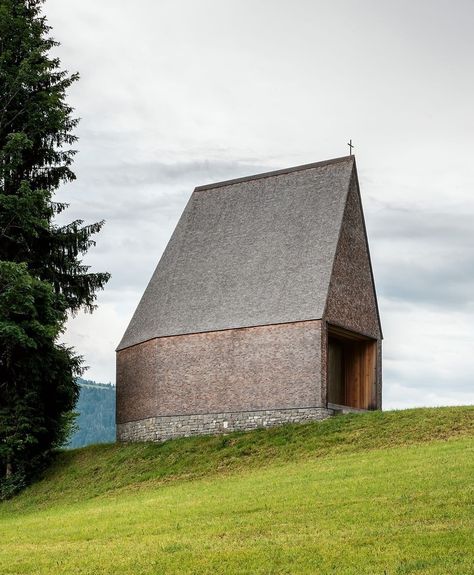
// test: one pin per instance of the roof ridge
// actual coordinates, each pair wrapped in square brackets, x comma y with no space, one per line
[274,173]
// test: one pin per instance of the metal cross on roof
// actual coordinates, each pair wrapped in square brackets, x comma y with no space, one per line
[350,147]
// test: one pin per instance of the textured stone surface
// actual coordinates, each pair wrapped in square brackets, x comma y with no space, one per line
[171,427]
[267,367]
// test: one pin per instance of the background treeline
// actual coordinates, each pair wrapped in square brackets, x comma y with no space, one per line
[96,414]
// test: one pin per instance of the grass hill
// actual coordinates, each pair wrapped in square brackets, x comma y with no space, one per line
[377,493]
[96,414]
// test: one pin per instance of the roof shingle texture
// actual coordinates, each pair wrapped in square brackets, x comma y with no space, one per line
[253,251]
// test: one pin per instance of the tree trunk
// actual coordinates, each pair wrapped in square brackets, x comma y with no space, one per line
[9,470]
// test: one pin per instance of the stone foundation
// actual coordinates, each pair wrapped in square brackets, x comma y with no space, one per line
[174,426]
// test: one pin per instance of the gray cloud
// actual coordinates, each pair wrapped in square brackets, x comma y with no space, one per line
[425,256]
[213,90]
[160,174]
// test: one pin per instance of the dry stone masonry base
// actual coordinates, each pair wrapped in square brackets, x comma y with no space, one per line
[173,426]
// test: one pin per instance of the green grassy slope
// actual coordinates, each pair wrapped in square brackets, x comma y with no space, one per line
[362,494]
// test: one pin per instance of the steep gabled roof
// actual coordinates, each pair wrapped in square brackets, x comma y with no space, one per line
[247,252]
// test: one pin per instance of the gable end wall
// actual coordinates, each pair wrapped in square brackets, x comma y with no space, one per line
[351,299]
[352,302]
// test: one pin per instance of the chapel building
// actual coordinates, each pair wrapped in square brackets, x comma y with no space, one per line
[261,311]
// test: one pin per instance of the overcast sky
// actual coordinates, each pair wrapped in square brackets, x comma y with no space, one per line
[175,94]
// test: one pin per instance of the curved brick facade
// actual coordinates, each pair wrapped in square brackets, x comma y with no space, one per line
[266,367]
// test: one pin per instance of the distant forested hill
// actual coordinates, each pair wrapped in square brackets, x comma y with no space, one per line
[96,420]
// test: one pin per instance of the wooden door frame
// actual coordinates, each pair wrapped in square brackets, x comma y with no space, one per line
[360,366]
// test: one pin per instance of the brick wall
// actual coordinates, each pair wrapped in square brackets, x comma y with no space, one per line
[273,367]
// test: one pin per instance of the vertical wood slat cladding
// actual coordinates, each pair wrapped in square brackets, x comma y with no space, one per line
[336,376]
[360,375]
[265,367]
[371,373]
[352,369]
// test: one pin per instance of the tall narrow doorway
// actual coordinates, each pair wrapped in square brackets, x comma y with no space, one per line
[352,365]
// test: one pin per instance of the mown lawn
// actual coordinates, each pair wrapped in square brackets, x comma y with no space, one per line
[368,494]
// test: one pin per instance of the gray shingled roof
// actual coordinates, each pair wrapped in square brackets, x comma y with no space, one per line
[248,252]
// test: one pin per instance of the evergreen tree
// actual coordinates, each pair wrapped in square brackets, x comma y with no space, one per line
[37,386]
[41,260]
